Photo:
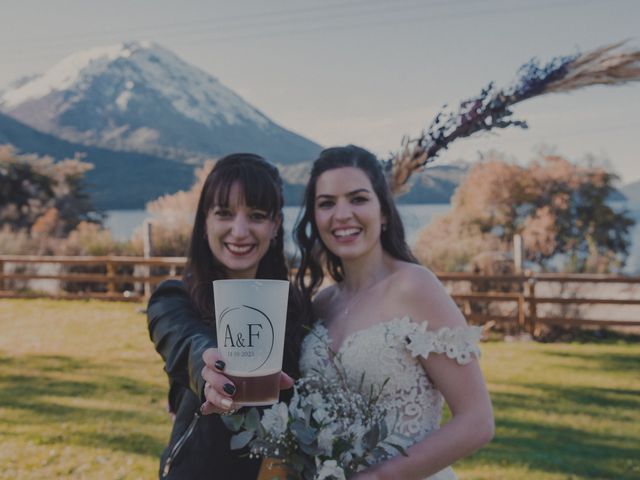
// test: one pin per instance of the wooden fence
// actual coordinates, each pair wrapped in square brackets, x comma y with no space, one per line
[107,278]
[527,301]
[533,307]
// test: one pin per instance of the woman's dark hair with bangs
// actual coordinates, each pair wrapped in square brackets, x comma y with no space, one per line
[313,251]
[261,188]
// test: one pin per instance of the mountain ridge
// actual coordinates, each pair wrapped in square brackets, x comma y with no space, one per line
[128,180]
[632,192]
[141,97]
[119,180]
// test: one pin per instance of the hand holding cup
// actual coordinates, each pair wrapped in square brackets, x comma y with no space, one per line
[219,390]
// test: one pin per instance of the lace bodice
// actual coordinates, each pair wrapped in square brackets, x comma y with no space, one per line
[389,350]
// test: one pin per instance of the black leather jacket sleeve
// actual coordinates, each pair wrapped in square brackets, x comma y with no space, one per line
[180,336]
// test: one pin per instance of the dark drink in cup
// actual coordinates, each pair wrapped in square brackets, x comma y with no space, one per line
[250,326]
[263,390]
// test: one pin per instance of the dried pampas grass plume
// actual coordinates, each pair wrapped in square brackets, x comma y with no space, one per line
[607,65]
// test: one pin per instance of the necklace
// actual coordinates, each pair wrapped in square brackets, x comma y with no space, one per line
[355,300]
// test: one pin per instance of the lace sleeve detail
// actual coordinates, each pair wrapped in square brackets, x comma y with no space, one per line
[459,343]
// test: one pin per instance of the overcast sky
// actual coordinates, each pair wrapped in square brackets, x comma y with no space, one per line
[365,72]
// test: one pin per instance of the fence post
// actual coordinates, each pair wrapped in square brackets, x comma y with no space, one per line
[518,253]
[147,247]
[521,313]
[111,274]
[531,294]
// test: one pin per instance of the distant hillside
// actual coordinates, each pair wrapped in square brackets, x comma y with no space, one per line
[141,97]
[120,180]
[435,185]
[632,192]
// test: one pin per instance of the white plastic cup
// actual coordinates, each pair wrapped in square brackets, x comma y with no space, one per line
[251,318]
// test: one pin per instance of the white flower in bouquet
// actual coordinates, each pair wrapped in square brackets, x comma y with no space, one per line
[330,470]
[275,419]
[325,439]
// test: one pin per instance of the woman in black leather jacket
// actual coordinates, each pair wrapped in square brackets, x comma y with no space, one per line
[237,233]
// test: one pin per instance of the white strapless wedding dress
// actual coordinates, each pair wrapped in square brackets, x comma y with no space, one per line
[389,351]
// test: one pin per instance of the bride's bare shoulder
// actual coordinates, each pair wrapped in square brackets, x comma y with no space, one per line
[411,277]
[424,297]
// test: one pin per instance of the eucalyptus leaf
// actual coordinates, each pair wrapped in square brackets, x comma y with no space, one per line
[308,410]
[241,440]
[384,430]
[233,422]
[252,420]
[309,449]
[303,433]
[372,437]
[261,430]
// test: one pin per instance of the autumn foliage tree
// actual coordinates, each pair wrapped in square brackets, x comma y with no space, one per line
[173,216]
[562,210]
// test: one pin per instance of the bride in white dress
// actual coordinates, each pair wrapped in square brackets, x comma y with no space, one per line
[388,317]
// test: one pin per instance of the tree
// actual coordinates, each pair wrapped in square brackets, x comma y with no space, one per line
[41,196]
[561,210]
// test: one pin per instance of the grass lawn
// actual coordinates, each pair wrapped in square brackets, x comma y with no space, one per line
[82,396]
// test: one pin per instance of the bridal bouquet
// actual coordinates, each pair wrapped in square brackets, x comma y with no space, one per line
[328,430]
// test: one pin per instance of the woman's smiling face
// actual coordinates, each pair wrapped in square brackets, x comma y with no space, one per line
[347,213]
[239,235]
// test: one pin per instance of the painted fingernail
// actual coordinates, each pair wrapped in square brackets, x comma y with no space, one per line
[219,364]
[230,389]
[226,402]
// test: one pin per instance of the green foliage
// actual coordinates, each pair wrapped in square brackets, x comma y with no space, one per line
[44,209]
[559,208]
[40,195]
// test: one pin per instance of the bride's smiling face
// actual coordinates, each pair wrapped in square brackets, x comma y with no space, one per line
[347,213]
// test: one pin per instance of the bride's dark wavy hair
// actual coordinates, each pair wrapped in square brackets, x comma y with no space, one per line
[261,187]
[315,256]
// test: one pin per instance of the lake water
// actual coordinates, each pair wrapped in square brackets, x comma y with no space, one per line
[122,223]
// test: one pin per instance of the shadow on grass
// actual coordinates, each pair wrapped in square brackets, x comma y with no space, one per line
[37,391]
[611,403]
[556,448]
[562,450]
[609,361]
[605,336]
[129,442]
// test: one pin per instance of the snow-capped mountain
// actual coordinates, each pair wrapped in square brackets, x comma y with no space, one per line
[139,96]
